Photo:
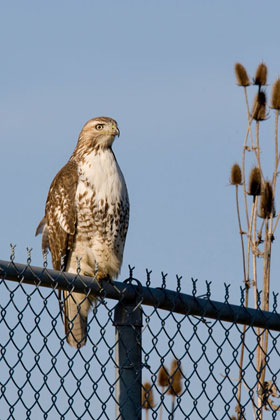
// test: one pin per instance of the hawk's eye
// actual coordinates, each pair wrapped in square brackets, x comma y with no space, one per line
[99,126]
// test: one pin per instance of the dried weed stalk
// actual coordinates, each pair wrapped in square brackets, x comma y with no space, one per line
[163,381]
[147,398]
[175,383]
[260,226]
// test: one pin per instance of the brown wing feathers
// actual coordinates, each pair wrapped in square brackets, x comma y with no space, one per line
[60,218]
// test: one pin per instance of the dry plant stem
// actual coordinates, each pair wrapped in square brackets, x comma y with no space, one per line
[258,145]
[249,131]
[257,153]
[266,273]
[266,288]
[261,228]
[172,407]
[247,103]
[276,223]
[263,300]
[261,366]
[249,117]
[247,286]
[241,366]
[246,281]
[241,232]
[248,389]
[277,158]
[276,151]
[161,404]
[255,280]
[249,243]
[243,177]
[147,414]
[259,352]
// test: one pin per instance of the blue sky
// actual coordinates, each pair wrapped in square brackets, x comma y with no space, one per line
[164,71]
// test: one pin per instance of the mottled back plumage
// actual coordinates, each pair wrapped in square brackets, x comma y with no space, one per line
[86,217]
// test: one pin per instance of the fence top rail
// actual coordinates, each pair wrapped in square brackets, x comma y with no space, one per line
[131,291]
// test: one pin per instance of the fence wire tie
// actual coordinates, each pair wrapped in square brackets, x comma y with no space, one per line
[131,269]
[111,282]
[163,277]
[208,293]
[275,303]
[29,250]
[203,320]
[178,278]
[148,274]
[194,289]
[227,286]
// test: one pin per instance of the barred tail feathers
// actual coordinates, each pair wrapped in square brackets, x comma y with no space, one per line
[76,308]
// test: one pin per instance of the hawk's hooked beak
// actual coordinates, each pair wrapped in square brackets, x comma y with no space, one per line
[116,131]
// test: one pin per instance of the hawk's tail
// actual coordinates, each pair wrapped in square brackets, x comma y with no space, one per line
[76,307]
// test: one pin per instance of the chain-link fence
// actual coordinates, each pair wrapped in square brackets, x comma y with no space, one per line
[133,332]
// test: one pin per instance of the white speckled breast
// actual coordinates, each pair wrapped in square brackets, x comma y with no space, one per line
[102,209]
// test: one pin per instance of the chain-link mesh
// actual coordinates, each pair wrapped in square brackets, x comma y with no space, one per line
[128,344]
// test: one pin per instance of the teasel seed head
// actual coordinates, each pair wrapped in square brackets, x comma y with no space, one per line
[267,201]
[255,182]
[175,378]
[275,97]
[163,376]
[235,175]
[261,75]
[241,75]
[147,396]
[259,106]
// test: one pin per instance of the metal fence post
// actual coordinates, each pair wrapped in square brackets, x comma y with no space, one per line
[128,323]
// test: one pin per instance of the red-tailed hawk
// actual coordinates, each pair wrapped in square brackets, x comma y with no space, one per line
[86,217]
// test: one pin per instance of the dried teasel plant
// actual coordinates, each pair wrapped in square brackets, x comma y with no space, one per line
[255,182]
[259,106]
[236,179]
[243,80]
[175,382]
[163,381]
[267,201]
[147,398]
[275,97]
[235,175]
[241,75]
[175,378]
[259,222]
[163,377]
[261,75]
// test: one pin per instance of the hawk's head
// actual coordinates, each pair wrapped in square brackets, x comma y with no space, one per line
[98,133]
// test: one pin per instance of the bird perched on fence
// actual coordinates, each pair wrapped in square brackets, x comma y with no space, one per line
[86,218]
